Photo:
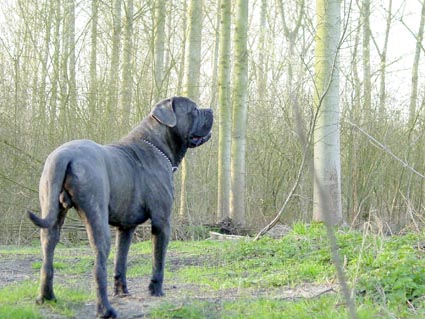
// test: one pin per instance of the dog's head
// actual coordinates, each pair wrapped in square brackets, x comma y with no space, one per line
[185,120]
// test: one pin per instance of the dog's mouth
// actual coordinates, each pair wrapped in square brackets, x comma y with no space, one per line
[195,141]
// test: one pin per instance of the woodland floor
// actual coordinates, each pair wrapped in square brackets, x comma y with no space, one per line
[288,278]
[16,268]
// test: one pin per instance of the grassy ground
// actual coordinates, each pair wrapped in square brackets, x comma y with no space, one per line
[288,278]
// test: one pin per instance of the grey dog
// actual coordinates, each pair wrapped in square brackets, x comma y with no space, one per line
[122,184]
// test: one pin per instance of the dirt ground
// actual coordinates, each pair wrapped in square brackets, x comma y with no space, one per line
[16,268]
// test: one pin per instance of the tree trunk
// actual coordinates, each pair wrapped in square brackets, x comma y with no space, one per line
[159,36]
[240,113]
[127,70]
[191,77]
[114,70]
[68,85]
[45,62]
[415,71]
[367,82]
[383,62]
[412,107]
[193,56]
[183,56]
[224,112]
[327,166]
[93,60]
[214,78]
[56,64]
[261,68]
[72,91]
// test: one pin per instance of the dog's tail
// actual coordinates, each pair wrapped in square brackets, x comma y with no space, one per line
[51,186]
[40,222]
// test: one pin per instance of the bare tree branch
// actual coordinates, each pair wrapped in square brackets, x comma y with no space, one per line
[386,149]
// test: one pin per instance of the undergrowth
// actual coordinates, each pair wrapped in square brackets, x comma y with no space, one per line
[388,273]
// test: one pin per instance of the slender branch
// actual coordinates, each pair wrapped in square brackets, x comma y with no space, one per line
[386,149]
[31,157]
[17,183]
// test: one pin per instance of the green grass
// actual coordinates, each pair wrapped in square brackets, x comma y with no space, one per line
[69,266]
[389,273]
[320,308]
[18,301]
[15,250]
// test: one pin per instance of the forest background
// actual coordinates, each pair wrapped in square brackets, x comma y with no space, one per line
[92,69]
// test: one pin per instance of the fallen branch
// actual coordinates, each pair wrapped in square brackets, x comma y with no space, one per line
[218,236]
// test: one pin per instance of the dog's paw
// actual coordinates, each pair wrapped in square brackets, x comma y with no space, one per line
[108,313]
[156,289]
[121,292]
[41,299]
[120,287]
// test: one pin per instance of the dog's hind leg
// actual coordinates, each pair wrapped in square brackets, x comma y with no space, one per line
[49,239]
[100,241]
[123,242]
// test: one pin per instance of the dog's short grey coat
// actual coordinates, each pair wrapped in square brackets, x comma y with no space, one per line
[122,184]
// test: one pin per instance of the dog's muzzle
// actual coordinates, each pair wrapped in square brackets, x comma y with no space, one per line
[195,141]
[202,128]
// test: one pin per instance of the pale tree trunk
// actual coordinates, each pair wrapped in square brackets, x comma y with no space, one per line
[214,79]
[56,5]
[159,38]
[240,113]
[367,83]
[327,166]
[193,55]
[383,60]
[415,71]
[68,79]
[413,105]
[68,97]
[127,70]
[224,112]
[114,69]
[261,69]
[183,56]
[191,77]
[63,83]
[93,60]
[72,56]
[45,63]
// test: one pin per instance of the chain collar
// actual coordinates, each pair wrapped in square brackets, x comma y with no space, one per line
[173,168]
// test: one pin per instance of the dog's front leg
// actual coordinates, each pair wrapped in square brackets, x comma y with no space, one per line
[160,238]
[123,241]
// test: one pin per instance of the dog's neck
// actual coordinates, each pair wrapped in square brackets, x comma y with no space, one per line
[173,167]
[163,142]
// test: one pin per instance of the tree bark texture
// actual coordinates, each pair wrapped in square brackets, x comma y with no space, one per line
[327,166]
[224,112]
[240,113]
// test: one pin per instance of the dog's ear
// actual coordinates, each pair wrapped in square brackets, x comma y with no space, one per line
[163,112]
